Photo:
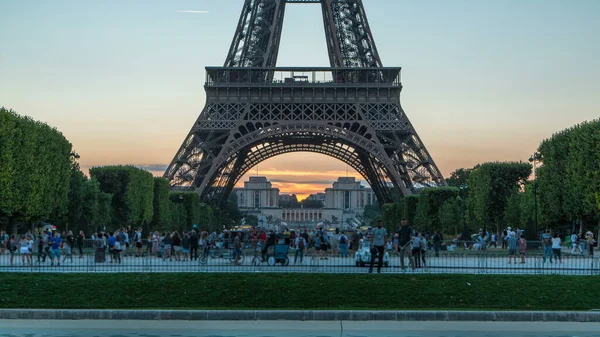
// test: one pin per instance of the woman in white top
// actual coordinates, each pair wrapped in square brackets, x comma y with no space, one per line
[556,247]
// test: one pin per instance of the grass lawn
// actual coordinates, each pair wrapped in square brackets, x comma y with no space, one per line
[297,291]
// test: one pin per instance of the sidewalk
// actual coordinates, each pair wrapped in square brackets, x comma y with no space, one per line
[303,315]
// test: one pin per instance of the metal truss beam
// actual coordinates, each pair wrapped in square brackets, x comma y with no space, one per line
[350,111]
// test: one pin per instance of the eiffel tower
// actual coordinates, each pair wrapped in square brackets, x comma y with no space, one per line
[350,111]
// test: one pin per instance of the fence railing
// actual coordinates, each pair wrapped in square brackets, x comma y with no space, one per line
[282,259]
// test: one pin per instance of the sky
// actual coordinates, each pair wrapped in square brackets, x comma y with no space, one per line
[123,80]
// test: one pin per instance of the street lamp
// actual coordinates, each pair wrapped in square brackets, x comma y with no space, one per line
[74,155]
[535,158]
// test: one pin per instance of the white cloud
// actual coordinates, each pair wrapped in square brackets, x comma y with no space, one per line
[191,11]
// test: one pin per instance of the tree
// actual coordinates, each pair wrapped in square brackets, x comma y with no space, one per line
[569,180]
[513,214]
[429,205]
[489,187]
[34,170]
[132,192]
[450,216]
[161,218]
[459,177]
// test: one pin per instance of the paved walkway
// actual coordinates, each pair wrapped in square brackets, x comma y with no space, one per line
[456,263]
[293,329]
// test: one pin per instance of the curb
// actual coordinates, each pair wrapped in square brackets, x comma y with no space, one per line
[302,315]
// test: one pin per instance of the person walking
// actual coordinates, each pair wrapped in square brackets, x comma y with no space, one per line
[378,237]
[404,248]
[556,248]
[547,242]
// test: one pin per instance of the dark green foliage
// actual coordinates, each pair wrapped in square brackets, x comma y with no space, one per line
[372,213]
[34,169]
[429,204]
[569,179]
[132,192]
[161,218]
[489,187]
[450,216]
[310,291]
[459,177]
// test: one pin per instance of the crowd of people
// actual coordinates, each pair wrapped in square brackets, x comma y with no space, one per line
[56,247]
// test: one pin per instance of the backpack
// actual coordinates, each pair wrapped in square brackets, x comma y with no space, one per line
[547,240]
[301,243]
[343,239]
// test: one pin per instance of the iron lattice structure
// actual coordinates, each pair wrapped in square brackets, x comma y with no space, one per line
[350,111]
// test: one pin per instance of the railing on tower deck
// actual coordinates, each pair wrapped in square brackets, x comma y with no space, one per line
[303,76]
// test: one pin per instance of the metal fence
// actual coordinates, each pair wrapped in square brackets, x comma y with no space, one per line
[280,259]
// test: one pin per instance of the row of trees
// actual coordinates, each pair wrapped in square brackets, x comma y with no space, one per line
[479,201]
[568,182]
[565,194]
[141,200]
[35,167]
[41,181]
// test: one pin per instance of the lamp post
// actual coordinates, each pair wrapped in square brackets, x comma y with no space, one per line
[534,159]
[74,156]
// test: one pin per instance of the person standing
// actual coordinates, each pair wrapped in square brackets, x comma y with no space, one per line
[511,243]
[423,249]
[522,246]
[556,248]
[575,243]
[185,246]
[300,245]
[70,242]
[547,242]
[56,243]
[416,249]
[137,242]
[193,245]
[437,243]
[237,249]
[404,248]
[589,238]
[378,237]
[343,244]
[80,239]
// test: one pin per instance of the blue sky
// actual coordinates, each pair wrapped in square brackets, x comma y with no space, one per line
[123,80]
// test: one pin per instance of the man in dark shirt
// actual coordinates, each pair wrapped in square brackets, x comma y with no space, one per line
[404,248]
[193,245]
